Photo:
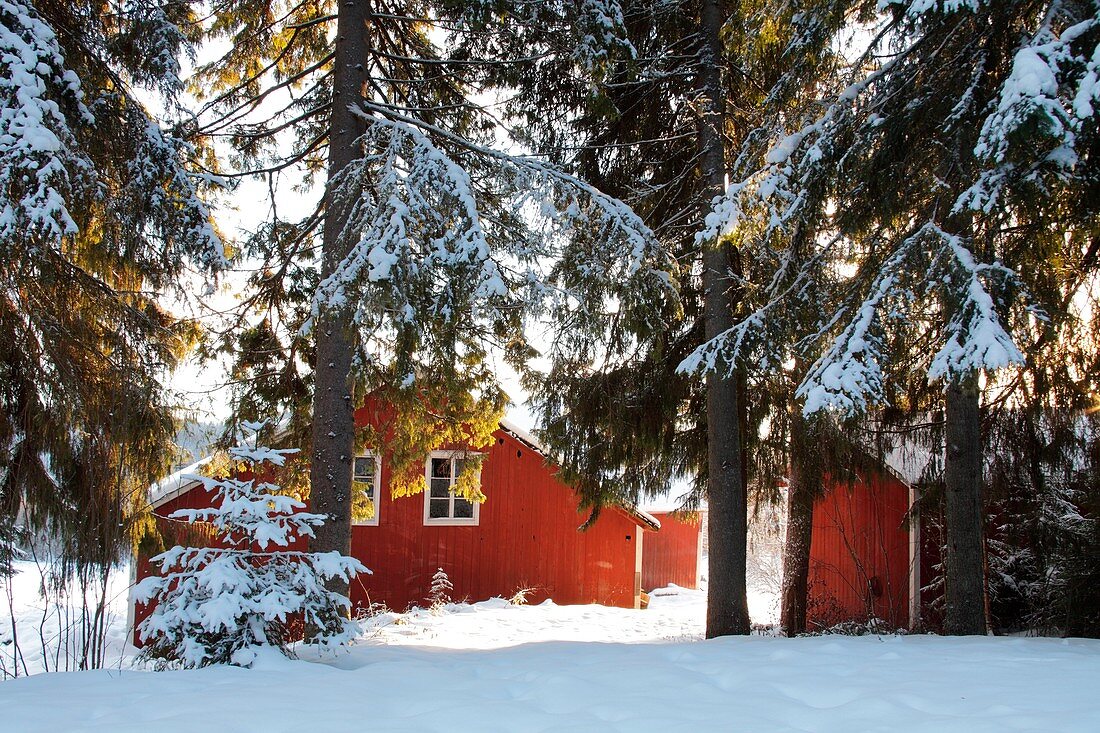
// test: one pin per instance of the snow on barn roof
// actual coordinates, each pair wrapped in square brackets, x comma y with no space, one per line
[521,435]
[643,516]
[176,483]
[908,462]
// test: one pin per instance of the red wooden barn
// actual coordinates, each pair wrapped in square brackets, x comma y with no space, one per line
[523,537]
[674,555]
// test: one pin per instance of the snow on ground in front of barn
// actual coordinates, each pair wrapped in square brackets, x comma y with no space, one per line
[675,614]
[492,666]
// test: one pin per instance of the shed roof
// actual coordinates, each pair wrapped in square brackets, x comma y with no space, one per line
[176,483]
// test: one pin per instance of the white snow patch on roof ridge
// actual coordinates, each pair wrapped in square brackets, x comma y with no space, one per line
[524,436]
[644,515]
[176,483]
[908,461]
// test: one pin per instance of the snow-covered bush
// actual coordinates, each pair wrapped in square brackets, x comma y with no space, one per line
[214,605]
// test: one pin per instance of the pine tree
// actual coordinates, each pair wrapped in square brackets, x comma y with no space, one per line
[439,594]
[727,503]
[438,247]
[627,124]
[103,216]
[217,605]
[929,163]
[620,422]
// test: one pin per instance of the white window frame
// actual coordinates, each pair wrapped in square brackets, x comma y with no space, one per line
[447,521]
[373,521]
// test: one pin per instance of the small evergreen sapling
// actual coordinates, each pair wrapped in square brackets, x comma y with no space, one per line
[440,593]
[214,605]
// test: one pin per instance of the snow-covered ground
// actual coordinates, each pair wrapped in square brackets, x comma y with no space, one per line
[492,666]
[47,629]
[675,614]
[43,633]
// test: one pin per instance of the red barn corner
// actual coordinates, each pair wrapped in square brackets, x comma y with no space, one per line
[864,555]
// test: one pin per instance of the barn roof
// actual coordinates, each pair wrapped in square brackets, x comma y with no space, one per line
[176,483]
[522,435]
[645,518]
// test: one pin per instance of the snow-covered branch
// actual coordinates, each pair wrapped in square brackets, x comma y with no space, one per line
[445,228]
[40,98]
[931,264]
[1053,85]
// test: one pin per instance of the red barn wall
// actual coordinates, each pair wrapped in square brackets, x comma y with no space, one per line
[859,555]
[527,538]
[174,532]
[672,555]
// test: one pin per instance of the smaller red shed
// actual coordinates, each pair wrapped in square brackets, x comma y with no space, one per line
[674,555]
[864,555]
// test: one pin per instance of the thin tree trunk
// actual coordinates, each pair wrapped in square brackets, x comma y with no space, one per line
[333,398]
[727,604]
[965,580]
[805,487]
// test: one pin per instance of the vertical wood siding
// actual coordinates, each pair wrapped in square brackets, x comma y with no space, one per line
[672,555]
[859,557]
[527,539]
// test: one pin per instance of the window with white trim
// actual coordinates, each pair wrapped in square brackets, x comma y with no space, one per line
[441,506]
[366,481]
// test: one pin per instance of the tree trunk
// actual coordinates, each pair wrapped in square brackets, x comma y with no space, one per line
[333,398]
[965,579]
[805,487]
[727,604]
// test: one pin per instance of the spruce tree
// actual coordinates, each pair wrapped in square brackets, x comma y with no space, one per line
[221,604]
[727,502]
[104,215]
[438,247]
[623,422]
[926,162]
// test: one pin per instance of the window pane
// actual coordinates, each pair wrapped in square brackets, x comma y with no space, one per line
[439,508]
[441,487]
[463,509]
[441,468]
[461,464]
[364,469]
